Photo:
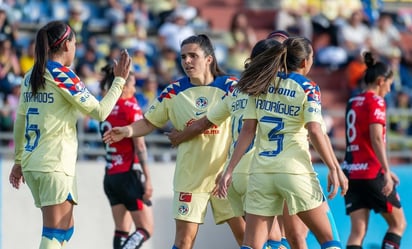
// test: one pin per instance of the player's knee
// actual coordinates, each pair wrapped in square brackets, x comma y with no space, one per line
[399,226]
[403,225]
[183,243]
[184,240]
[358,231]
[296,238]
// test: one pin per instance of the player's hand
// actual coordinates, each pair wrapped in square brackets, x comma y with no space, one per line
[220,189]
[333,183]
[148,190]
[387,184]
[395,179]
[16,176]
[174,137]
[121,67]
[116,134]
[343,182]
[218,177]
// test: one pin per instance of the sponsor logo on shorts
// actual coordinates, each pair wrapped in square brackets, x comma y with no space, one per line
[183,209]
[185,197]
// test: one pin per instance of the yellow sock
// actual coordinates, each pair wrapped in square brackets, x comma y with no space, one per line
[49,244]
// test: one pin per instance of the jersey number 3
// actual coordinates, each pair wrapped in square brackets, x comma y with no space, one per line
[273,135]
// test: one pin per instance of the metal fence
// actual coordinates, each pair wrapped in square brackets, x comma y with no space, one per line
[91,145]
[159,147]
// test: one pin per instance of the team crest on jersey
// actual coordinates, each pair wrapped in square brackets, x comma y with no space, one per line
[183,209]
[202,102]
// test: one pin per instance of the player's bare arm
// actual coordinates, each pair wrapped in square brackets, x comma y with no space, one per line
[197,127]
[139,128]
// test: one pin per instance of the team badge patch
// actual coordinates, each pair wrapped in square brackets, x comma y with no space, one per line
[183,209]
[185,197]
[202,102]
[80,86]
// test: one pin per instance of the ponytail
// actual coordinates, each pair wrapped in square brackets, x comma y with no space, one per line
[49,40]
[375,69]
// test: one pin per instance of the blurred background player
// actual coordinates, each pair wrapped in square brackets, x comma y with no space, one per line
[127,181]
[371,181]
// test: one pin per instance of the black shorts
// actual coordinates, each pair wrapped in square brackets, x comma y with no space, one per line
[367,193]
[125,188]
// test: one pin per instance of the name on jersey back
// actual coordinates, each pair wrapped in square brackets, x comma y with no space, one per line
[41,97]
[277,106]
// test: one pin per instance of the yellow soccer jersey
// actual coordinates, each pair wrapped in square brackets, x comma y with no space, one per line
[200,159]
[45,128]
[282,144]
[233,105]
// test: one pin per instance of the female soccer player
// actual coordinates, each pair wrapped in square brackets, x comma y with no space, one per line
[232,105]
[284,108]
[45,128]
[201,159]
[126,161]
[371,182]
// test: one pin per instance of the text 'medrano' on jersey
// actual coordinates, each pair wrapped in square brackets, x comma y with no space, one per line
[65,78]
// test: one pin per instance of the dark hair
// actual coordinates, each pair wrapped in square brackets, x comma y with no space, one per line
[281,33]
[375,69]
[108,77]
[298,49]
[206,45]
[260,47]
[234,25]
[49,40]
[262,70]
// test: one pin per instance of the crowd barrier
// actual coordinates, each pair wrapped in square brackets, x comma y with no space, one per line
[159,147]
[91,145]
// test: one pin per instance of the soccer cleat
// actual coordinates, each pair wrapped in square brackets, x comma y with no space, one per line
[134,241]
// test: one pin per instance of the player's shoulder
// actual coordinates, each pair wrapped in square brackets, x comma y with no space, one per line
[174,88]
[374,99]
[224,82]
[64,78]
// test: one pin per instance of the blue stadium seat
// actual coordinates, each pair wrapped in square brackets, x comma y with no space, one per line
[59,10]
[36,11]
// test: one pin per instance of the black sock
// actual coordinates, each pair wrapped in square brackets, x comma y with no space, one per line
[391,241]
[353,247]
[119,238]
